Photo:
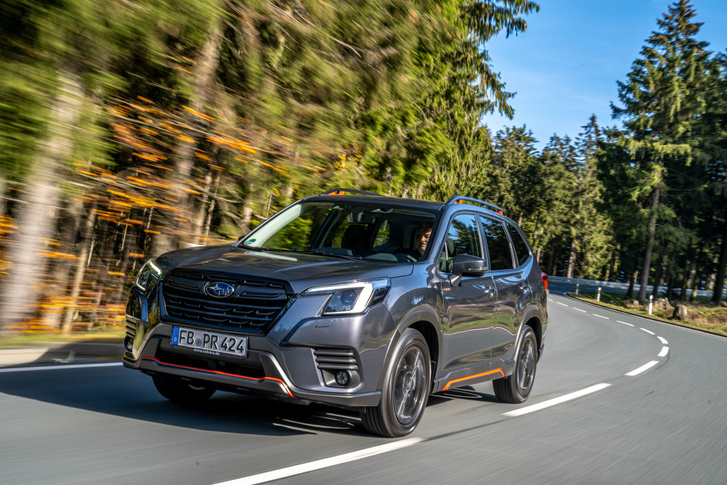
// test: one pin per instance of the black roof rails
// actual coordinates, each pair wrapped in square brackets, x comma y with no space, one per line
[458,199]
[341,191]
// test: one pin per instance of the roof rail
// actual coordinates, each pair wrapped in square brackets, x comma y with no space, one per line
[458,199]
[341,191]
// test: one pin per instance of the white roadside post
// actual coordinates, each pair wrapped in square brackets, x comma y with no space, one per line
[651,303]
[578,286]
[598,295]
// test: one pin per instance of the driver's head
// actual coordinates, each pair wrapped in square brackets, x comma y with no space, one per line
[422,237]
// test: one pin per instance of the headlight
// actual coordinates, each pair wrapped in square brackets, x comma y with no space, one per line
[352,297]
[148,275]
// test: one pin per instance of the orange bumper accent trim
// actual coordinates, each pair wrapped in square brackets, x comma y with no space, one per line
[279,381]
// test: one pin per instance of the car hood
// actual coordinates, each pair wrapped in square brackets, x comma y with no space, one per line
[301,271]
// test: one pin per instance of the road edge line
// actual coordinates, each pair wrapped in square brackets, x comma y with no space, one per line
[557,400]
[324,463]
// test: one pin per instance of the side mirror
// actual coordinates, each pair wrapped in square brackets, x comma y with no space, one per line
[468,265]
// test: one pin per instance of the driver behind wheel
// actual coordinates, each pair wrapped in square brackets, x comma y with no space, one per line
[421,239]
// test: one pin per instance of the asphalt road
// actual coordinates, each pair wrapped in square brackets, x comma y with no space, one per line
[605,418]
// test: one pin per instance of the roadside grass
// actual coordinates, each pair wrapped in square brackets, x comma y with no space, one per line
[701,315]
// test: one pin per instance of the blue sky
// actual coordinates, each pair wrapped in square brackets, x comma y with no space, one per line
[565,66]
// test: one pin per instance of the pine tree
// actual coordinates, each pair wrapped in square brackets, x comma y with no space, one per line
[662,102]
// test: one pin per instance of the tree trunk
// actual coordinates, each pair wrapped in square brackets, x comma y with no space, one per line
[36,221]
[673,281]
[571,259]
[58,288]
[552,258]
[211,209]
[694,277]
[201,215]
[719,279]
[649,246]
[621,266]
[632,284]
[659,273]
[86,244]
[3,195]
[203,77]
[684,282]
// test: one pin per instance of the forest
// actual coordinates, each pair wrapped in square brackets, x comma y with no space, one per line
[131,128]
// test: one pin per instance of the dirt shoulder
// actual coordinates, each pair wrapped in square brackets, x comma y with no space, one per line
[700,316]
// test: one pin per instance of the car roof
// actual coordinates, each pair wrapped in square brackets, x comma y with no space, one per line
[456,203]
[378,199]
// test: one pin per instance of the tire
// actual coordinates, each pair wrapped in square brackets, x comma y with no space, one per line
[406,389]
[181,392]
[516,388]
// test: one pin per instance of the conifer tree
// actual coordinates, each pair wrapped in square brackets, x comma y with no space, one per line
[662,102]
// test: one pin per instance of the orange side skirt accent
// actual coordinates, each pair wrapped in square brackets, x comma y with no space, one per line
[473,377]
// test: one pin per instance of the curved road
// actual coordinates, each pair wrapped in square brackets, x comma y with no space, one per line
[617,400]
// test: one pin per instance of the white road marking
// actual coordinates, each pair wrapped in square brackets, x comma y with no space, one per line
[561,304]
[579,310]
[624,323]
[58,367]
[643,368]
[647,331]
[664,351]
[324,463]
[600,316]
[663,340]
[550,299]
[557,400]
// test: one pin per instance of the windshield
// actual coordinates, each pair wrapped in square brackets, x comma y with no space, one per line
[363,230]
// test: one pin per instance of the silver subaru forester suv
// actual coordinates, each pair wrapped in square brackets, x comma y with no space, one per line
[347,298]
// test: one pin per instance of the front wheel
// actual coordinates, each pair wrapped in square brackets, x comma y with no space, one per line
[180,391]
[406,389]
[516,387]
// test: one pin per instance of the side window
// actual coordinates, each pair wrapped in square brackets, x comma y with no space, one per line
[522,253]
[383,234]
[497,244]
[462,238]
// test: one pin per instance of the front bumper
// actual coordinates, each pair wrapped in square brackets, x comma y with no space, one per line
[292,361]
[264,377]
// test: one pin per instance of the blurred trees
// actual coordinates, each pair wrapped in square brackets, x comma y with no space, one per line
[132,128]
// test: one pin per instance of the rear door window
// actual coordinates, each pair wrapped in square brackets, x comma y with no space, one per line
[498,244]
[522,253]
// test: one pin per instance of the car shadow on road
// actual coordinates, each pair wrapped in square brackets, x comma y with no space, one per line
[117,392]
[461,393]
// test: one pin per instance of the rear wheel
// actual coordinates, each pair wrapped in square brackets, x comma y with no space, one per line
[516,388]
[406,389]
[180,391]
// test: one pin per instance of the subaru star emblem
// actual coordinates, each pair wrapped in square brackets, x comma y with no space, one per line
[219,289]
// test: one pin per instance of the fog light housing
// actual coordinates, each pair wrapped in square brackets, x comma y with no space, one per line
[343,377]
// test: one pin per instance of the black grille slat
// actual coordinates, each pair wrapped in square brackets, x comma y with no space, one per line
[255,305]
[336,359]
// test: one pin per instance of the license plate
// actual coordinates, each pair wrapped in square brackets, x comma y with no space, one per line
[211,343]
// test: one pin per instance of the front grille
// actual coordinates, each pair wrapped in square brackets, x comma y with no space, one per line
[335,359]
[254,306]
